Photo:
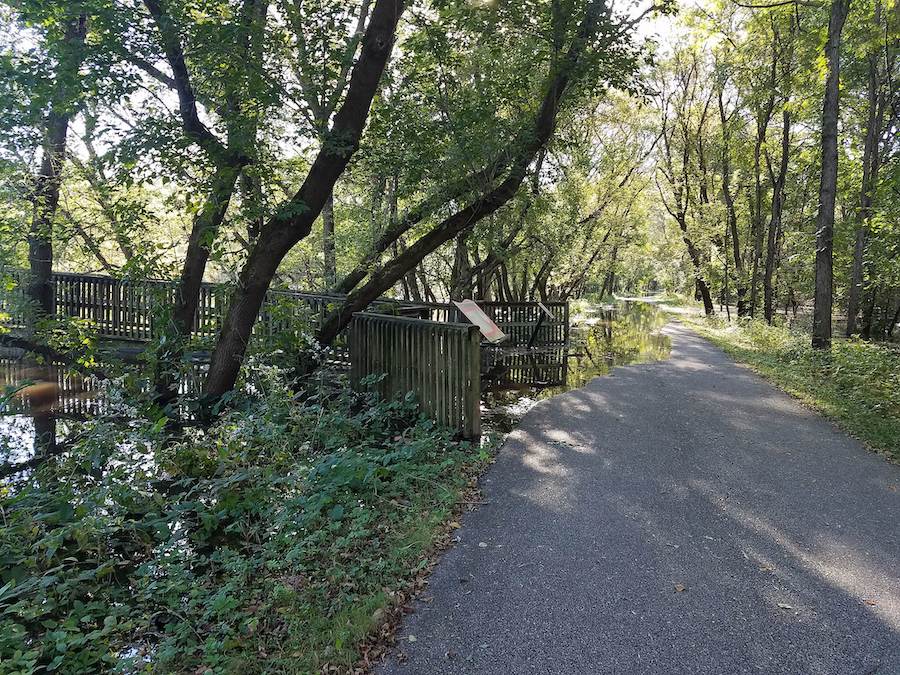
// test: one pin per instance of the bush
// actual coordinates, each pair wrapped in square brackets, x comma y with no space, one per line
[274,535]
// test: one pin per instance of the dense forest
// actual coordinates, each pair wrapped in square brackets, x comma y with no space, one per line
[741,155]
[749,154]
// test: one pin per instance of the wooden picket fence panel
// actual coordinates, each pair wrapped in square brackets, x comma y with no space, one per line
[524,368]
[438,362]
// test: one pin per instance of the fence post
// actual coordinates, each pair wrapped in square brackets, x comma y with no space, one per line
[472,429]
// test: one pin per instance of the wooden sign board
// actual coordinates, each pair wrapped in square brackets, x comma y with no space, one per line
[546,311]
[476,315]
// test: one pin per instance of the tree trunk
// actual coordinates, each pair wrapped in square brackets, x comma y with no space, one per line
[775,221]
[762,126]
[821,338]
[328,249]
[894,321]
[701,285]
[731,212]
[45,197]
[870,162]
[461,275]
[228,158]
[187,291]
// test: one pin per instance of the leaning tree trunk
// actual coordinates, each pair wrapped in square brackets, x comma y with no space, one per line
[45,197]
[293,223]
[821,337]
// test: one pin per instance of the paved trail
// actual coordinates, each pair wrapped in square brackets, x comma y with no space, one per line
[783,532]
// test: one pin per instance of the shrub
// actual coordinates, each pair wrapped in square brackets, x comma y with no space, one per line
[260,538]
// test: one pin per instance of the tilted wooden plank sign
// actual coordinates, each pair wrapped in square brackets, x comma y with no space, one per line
[550,315]
[476,315]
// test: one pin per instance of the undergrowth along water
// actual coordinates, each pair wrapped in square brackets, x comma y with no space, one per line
[273,540]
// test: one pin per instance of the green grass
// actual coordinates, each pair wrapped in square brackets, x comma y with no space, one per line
[857,383]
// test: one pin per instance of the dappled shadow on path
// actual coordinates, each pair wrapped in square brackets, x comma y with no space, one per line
[679,516]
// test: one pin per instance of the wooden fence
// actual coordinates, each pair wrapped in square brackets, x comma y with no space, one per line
[511,369]
[436,354]
[438,362]
[126,309]
[134,310]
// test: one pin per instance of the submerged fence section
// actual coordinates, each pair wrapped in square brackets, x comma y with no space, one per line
[440,363]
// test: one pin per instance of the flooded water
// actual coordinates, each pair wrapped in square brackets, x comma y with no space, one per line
[42,405]
[599,341]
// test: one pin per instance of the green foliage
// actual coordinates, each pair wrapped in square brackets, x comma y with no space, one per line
[271,537]
[857,383]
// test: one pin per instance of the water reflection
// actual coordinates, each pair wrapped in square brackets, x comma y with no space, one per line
[38,405]
[601,340]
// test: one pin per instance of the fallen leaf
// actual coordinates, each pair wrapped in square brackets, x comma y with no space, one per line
[870,602]
[680,588]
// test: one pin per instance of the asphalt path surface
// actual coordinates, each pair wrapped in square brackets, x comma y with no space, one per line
[682,516]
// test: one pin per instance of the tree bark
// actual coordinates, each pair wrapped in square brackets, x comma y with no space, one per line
[821,337]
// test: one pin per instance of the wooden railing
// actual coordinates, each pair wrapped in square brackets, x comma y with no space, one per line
[438,362]
[134,310]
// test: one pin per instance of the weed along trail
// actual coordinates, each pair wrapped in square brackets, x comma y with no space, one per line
[679,516]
